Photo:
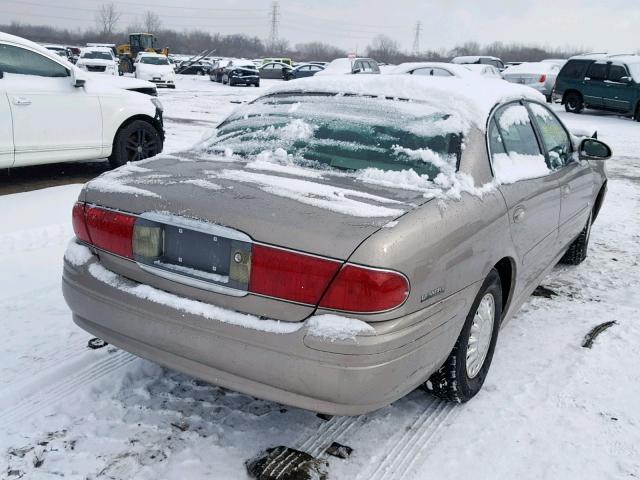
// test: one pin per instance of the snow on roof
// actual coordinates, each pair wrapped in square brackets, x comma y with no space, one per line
[409,66]
[532,67]
[472,58]
[337,66]
[472,98]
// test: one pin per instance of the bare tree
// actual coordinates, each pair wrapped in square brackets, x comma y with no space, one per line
[151,22]
[383,49]
[107,18]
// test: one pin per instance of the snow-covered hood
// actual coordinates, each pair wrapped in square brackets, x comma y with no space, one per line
[149,69]
[96,62]
[99,81]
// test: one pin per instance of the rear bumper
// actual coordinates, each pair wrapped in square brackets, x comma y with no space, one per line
[335,377]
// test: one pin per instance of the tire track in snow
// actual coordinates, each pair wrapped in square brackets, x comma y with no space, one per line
[19,406]
[405,452]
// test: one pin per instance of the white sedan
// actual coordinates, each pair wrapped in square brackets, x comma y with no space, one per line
[51,111]
[155,68]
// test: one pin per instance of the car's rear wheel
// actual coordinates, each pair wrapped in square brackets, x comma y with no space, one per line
[462,375]
[637,115]
[136,141]
[573,102]
[577,251]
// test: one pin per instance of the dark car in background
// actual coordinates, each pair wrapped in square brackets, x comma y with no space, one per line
[301,71]
[601,82]
[199,67]
[274,70]
[240,72]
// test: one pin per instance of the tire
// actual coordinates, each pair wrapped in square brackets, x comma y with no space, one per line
[200,72]
[126,65]
[225,79]
[577,251]
[230,82]
[549,99]
[135,141]
[637,115]
[573,102]
[455,380]
[257,84]
[172,86]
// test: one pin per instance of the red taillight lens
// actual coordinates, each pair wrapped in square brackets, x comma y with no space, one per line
[290,275]
[366,290]
[110,231]
[543,78]
[79,222]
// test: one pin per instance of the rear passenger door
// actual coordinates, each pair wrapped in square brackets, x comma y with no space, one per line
[529,188]
[594,87]
[620,94]
[577,181]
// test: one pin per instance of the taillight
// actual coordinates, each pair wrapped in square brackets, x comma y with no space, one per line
[290,275]
[543,78]
[105,229]
[79,222]
[366,290]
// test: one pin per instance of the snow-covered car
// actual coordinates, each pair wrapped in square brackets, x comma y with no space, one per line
[346,66]
[155,68]
[59,50]
[479,59]
[274,70]
[302,71]
[98,60]
[539,75]
[338,241]
[51,111]
[488,71]
[430,69]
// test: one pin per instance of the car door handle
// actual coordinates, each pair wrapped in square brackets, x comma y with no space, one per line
[518,215]
[21,101]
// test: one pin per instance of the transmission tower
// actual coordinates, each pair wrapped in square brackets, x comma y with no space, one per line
[274,20]
[416,39]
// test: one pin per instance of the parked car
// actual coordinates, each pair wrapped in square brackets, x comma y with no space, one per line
[539,75]
[155,68]
[430,69]
[488,71]
[273,70]
[286,61]
[241,72]
[43,98]
[98,60]
[479,59]
[200,67]
[217,69]
[73,54]
[344,66]
[601,82]
[259,276]
[302,71]
[59,50]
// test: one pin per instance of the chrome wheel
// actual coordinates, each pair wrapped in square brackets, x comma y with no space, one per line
[480,335]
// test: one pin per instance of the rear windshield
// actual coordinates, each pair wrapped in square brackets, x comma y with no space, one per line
[154,60]
[97,55]
[346,132]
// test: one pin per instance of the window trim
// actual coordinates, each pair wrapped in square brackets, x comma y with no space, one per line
[49,57]
[536,132]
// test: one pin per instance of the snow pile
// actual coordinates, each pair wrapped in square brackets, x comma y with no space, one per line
[202,183]
[516,166]
[318,195]
[339,66]
[532,68]
[77,254]
[335,327]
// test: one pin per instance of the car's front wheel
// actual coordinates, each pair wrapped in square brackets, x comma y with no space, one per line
[135,141]
[461,376]
[577,251]
[573,102]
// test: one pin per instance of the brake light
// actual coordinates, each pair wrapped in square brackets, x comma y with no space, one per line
[290,275]
[366,290]
[543,78]
[105,229]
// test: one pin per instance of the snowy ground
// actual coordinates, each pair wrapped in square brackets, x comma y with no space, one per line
[549,408]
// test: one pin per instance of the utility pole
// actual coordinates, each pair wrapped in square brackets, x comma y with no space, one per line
[416,39]
[274,20]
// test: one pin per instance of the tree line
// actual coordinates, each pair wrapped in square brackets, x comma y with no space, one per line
[382,47]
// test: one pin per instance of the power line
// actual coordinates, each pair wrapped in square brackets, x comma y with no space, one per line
[416,39]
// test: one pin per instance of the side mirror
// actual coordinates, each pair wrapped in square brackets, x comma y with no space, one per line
[78,78]
[592,149]
[1,74]
[625,80]
[357,70]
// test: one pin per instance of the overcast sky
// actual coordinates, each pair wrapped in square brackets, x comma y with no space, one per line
[612,25]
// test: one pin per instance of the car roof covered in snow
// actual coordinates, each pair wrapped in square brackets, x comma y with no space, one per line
[458,70]
[472,58]
[471,99]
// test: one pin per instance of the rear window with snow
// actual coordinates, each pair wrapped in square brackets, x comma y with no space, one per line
[346,132]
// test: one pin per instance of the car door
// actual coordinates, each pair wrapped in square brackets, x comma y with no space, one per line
[6,128]
[267,71]
[529,188]
[312,70]
[620,92]
[53,120]
[576,179]
[594,89]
